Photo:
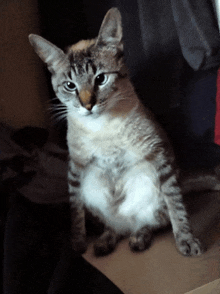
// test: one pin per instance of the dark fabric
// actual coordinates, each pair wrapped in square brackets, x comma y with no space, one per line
[38,257]
[198,32]
[191,126]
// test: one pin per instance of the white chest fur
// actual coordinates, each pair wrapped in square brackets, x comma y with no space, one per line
[93,124]
[126,203]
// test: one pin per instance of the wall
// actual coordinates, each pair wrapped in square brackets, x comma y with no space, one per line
[23,90]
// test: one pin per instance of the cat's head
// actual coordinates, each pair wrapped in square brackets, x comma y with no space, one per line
[85,77]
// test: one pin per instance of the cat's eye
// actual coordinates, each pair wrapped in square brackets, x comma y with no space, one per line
[101,79]
[69,86]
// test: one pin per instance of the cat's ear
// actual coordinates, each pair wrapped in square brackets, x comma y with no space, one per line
[48,52]
[110,33]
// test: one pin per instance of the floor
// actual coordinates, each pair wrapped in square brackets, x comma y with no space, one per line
[161,269]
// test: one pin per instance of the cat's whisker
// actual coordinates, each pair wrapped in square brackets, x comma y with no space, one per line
[59,113]
[59,119]
[57,105]
[54,111]
[54,99]
[55,108]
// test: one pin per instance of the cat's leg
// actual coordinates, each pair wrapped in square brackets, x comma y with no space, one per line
[141,240]
[78,230]
[106,243]
[187,244]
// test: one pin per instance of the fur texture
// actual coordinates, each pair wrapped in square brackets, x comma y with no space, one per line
[121,165]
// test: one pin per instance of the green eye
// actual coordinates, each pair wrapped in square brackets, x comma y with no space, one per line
[101,79]
[69,86]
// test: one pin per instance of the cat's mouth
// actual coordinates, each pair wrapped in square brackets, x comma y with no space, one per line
[88,113]
[85,112]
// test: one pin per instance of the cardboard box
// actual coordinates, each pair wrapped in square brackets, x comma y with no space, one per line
[210,288]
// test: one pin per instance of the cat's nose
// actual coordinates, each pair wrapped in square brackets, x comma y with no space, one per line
[89,106]
[87,99]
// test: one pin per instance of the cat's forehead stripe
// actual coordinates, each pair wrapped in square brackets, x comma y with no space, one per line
[79,69]
[82,62]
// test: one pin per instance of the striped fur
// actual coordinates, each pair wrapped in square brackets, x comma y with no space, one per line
[122,167]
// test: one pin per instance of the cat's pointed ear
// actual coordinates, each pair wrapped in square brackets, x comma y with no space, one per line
[48,52]
[110,33]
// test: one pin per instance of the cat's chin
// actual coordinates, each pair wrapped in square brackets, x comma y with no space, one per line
[85,112]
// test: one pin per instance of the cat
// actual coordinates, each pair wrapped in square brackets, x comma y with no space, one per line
[121,164]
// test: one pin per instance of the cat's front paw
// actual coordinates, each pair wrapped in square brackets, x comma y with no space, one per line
[79,246]
[106,243]
[139,243]
[102,249]
[190,246]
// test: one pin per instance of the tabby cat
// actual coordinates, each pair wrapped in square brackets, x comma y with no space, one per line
[121,164]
